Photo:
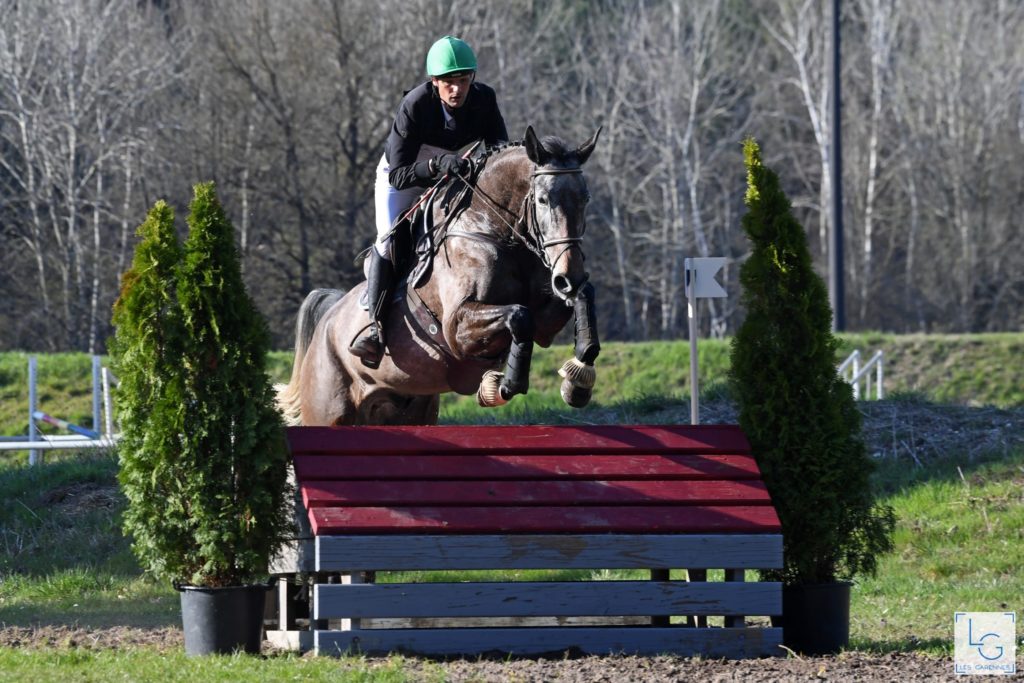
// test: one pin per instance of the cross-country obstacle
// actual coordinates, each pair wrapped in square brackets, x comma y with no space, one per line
[579,500]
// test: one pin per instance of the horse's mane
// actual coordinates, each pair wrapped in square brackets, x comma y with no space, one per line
[562,153]
[498,149]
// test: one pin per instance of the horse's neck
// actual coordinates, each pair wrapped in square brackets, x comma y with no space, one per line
[501,190]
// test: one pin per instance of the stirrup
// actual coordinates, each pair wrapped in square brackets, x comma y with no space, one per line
[369,350]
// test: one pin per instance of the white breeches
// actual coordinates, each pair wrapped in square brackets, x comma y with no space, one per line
[390,203]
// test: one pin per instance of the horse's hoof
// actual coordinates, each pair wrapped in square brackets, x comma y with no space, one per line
[489,393]
[574,395]
[579,373]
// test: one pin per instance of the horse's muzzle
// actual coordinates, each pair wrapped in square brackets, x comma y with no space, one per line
[566,289]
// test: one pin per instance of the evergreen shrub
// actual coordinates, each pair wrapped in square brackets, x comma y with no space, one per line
[203,458]
[799,415]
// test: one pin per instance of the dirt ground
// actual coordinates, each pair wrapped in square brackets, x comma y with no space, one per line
[850,666]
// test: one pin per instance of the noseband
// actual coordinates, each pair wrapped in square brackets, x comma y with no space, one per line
[532,237]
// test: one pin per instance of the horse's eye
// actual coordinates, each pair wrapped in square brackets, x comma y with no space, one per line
[543,200]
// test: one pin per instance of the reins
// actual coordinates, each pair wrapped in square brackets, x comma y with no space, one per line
[530,237]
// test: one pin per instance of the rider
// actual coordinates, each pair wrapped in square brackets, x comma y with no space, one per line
[433,121]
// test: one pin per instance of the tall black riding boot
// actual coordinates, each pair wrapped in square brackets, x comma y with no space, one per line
[379,288]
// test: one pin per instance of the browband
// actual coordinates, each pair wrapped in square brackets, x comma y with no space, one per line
[556,171]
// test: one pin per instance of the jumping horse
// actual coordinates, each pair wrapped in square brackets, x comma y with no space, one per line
[507,273]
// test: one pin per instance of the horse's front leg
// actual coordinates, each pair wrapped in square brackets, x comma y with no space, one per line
[479,332]
[578,373]
[520,354]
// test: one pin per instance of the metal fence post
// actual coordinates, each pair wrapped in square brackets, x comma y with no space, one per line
[35,457]
[96,393]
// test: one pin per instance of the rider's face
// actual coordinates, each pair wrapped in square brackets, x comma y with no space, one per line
[453,89]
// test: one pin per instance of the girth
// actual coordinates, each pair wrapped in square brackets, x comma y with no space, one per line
[462,374]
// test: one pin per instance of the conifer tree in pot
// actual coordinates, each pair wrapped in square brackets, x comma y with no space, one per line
[802,422]
[203,458]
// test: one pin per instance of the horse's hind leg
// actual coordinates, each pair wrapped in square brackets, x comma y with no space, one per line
[326,396]
[384,407]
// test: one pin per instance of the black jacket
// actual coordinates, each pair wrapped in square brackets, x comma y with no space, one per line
[420,121]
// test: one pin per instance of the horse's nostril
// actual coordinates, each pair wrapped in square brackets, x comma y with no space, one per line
[562,284]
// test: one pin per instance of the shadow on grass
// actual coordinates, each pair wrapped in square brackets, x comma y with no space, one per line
[894,477]
[95,613]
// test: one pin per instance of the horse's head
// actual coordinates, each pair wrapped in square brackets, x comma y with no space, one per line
[557,203]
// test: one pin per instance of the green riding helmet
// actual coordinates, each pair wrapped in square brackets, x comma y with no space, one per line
[450,55]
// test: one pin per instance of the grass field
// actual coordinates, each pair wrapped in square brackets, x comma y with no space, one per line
[144,664]
[954,474]
[977,370]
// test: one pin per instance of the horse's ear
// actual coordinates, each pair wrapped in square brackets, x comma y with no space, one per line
[534,149]
[584,150]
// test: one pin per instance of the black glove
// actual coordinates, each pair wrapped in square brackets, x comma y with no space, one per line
[450,165]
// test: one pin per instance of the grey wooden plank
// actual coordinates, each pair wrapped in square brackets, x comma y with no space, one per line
[545,598]
[296,641]
[297,554]
[499,622]
[643,640]
[548,551]
[294,557]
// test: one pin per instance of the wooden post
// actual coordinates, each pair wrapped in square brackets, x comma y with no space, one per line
[285,609]
[735,575]
[660,619]
[697,575]
[351,578]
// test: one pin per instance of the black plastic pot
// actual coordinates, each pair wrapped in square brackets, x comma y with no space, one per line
[222,620]
[815,618]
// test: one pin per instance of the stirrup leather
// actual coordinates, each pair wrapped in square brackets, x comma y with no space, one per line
[379,285]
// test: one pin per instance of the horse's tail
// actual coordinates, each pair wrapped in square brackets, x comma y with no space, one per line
[312,310]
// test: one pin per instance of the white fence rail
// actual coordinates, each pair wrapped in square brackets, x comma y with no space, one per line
[854,373]
[36,443]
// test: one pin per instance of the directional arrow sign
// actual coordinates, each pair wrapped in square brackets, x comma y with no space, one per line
[701,272]
[700,284]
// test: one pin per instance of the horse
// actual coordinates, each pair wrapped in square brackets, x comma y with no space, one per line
[507,273]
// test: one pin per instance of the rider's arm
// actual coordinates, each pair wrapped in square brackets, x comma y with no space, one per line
[403,146]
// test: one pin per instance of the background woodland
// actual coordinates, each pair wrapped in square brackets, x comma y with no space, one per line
[109,105]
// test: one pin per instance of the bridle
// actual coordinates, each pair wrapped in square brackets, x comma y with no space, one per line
[533,227]
[526,227]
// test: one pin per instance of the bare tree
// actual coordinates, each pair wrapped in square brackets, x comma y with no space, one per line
[74,80]
[799,27]
[959,122]
[107,105]
[878,16]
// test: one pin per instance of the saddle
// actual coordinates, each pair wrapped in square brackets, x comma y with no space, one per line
[415,240]
[414,243]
